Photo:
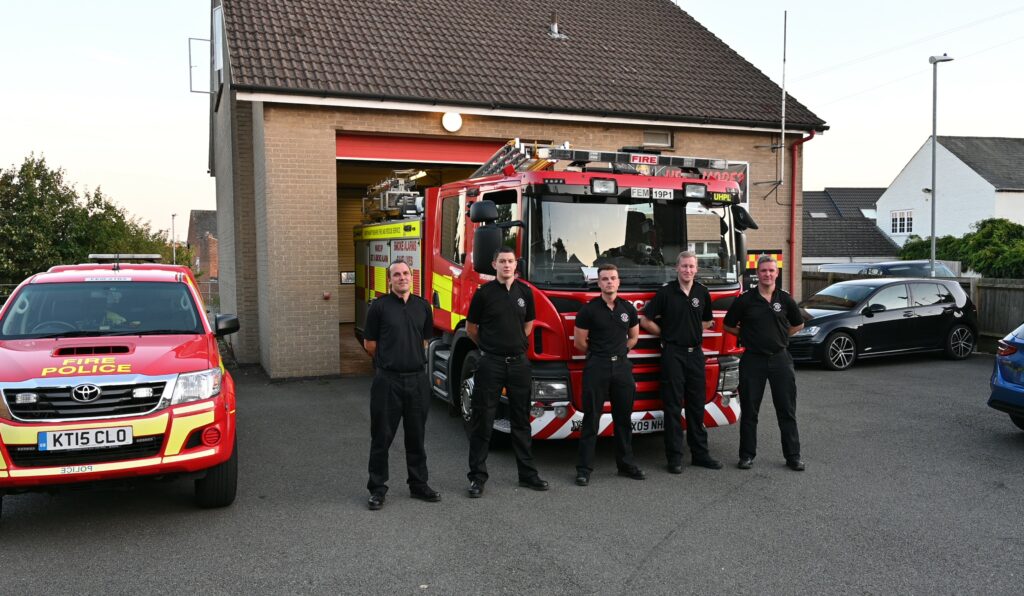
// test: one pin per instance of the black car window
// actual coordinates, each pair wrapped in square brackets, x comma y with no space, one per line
[929,294]
[891,297]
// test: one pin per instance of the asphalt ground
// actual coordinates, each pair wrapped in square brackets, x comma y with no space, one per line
[913,486]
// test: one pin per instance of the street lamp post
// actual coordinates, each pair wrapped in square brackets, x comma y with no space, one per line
[174,246]
[934,61]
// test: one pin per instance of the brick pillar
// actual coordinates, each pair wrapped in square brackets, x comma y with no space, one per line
[296,241]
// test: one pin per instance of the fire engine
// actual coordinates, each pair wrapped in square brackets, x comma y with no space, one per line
[564,211]
[110,372]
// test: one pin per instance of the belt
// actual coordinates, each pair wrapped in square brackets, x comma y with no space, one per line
[688,349]
[603,357]
[505,359]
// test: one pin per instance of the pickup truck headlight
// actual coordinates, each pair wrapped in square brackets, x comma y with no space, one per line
[196,386]
[807,332]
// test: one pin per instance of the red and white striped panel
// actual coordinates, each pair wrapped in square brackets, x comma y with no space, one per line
[550,426]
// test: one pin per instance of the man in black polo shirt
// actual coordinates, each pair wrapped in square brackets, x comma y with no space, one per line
[398,325]
[607,328]
[764,318]
[679,312]
[499,321]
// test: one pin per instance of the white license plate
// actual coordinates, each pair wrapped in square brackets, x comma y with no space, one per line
[648,426]
[662,194]
[90,438]
[640,193]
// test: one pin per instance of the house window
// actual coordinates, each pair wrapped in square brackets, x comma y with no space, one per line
[903,222]
[869,213]
[657,138]
[818,215]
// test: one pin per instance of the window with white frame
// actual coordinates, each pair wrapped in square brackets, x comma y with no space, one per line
[902,221]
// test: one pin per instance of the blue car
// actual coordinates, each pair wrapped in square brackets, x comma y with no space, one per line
[1008,377]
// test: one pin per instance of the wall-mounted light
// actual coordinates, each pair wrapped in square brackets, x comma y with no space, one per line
[451,121]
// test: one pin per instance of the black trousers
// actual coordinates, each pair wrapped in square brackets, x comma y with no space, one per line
[777,370]
[492,374]
[606,380]
[394,398]
[682,381]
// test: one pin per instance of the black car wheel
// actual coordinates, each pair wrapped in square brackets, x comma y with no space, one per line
[840,351]
[959,342]
[1018,420]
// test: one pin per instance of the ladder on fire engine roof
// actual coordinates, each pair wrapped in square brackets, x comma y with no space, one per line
[523,157]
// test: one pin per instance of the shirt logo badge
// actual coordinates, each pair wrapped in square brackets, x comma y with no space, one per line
[624,317]
[695,302]
[777,307]
[521,303]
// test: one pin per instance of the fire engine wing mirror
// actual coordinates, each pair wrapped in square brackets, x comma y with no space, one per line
[483,212]
[742,219]
[486,241]
[225,325]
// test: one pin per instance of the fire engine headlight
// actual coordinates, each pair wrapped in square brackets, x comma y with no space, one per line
[195,386]
[807,332]
[600,186]
[695,191]
[550,390]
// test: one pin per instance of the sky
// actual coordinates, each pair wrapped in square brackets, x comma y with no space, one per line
[101,89]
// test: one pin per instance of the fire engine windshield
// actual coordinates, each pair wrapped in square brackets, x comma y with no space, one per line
[100,308]
[570,236]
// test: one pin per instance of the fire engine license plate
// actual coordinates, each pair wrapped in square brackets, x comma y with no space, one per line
[666,194]
[90,438]
[648,426]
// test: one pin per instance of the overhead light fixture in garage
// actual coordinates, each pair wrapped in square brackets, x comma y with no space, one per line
[451,121]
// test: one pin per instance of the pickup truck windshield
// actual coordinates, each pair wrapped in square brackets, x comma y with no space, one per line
[100,308]
[571,235]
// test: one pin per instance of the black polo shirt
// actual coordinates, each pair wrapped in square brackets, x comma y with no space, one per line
[399,327]
[764,326]
[501,314]
[681,317]
[607,328]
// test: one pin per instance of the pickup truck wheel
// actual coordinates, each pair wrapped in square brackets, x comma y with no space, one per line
[959,342]
[218,488]
[1017,420]
[466,388]
[840,351]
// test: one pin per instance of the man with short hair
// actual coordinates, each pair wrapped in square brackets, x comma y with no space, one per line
[764,318]
[607,328]
[679,312]
[499,321]
[398,325]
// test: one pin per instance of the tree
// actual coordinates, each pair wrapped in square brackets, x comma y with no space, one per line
[44,222]
[995,248]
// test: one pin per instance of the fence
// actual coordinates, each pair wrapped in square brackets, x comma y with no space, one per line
[1000,302]
[210,291]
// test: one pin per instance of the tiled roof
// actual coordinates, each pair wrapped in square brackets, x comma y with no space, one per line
[630,58]
[841,202]
[846,238]
[999,160]
[845,232]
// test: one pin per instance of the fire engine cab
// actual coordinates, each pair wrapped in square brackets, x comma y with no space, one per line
[564,211]
[111,372]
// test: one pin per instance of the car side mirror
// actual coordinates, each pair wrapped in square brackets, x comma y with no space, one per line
[871,309]
[226,325]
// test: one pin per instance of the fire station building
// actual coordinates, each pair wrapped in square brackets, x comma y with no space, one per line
[315,100]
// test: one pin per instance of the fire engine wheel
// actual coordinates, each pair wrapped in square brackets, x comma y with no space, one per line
[466,388]
[840,351]
[959,342]
[218,488]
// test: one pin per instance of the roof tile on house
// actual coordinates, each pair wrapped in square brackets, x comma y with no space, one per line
[844,232]
[630,58]
[999,160]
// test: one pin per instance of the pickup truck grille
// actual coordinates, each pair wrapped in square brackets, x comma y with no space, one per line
[56,403]
[28,456]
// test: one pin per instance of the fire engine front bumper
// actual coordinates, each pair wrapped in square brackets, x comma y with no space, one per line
[180,439]
[562,421]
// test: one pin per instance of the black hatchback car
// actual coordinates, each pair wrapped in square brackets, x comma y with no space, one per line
[874,317]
